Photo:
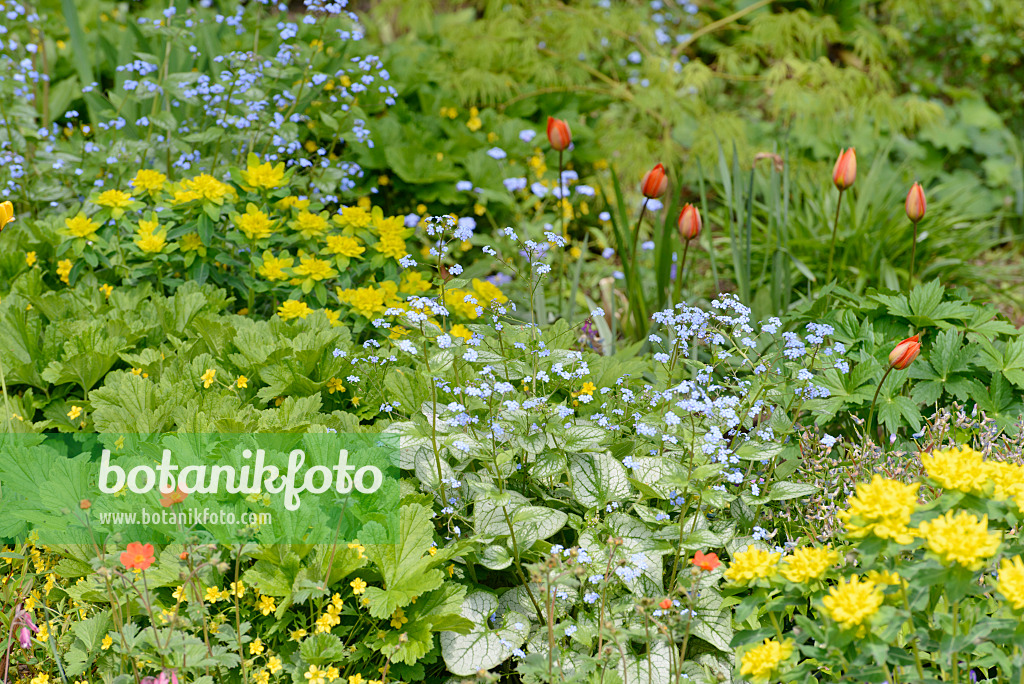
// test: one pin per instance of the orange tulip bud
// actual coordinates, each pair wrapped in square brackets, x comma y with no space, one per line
[916,204]
[559,134]
[85,504]
[665,604]
[689,222]
[655,182]
[845,171]
[904,353]
[6,214]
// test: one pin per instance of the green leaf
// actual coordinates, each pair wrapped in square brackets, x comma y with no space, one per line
[598,479]
[482,649]
[405,567]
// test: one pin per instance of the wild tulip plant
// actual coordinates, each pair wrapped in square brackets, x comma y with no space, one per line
[928,584]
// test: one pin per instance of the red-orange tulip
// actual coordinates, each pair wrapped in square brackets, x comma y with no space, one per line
[689,222]
[655,182]
[916,204]
[845,171]
[137,556]
[904,353]
[559,134]
[665,604]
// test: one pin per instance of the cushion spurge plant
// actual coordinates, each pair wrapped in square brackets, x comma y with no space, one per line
[918,577]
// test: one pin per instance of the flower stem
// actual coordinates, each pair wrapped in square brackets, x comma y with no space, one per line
[913,250]
[7,403]
[679,273]
[871,413]
[832,248]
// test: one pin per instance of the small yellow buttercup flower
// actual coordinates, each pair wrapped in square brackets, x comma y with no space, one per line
[256,646]
[266,605]
[75,412]
[30,259]
[752,563]
[358,586]
[64,271]
[208,377]
[242,382]
[761,661]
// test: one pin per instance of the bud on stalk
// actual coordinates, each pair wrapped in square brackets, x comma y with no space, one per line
[559,134]
[655,183]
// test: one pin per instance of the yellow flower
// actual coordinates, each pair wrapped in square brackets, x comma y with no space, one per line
[256,646]
[365,301]
[242,382]
[356,679]
[883,508]
[398,618]
[30,259]
[147,180]
[64,270]
[759,662]
[462,303]
[261,677]
[334,385]
[207,378]
[345,246]
[333,317]
[266,605]
[292,202]
[752,563]
[297,634]
[808,563]
[115,200]
[191,242]
[413,282]
[474,124]
[960,539]
[41,678]
[1008,479]
[488,291]
[314,675]
[44,632]
[462,331]
[107,642]
[314,269]
[959,468]
[75,412]
[359,549]
[238,589]
[179,593]
[310,225]
[852,602]
[274,664]
[588,388]
[891,579]
[204,186]
[148,239]
[106,289]
[81,226]
[254,223]
[353,217]
[1011,581]
[273,267]
[358,586]
[264,175]
[293,308]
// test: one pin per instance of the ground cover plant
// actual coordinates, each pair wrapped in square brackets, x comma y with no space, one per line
[691,331]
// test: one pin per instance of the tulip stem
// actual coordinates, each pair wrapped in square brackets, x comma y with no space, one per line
[561,234]
[871,413]
[913,251]
[679,273]
[636,237]
[832,248]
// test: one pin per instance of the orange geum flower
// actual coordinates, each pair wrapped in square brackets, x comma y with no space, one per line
[137,556]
